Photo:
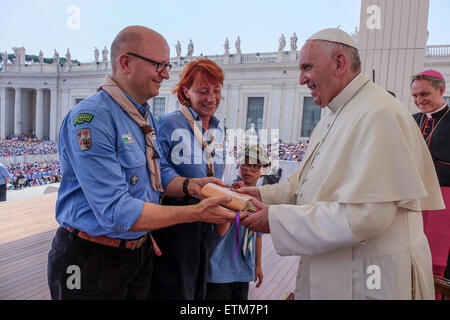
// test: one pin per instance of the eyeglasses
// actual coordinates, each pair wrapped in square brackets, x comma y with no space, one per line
[160,66]
[253,167]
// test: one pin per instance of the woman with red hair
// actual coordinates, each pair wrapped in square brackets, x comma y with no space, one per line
[192,143]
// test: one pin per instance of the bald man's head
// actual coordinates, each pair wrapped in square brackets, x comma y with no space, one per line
[135,39]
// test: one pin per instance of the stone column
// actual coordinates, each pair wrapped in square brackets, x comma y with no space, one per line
[392,41]
[65,103]
[287,121]
[233,108]
[39,125]
[2,112]
[53,111]
[275,104]
[18,111]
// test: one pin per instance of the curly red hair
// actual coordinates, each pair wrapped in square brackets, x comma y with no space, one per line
[208,69]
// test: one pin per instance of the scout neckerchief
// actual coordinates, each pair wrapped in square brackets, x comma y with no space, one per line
[201,139]
[248,242]
[118,96]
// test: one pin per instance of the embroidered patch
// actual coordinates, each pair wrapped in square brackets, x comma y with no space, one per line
[134,179]
[158,119]
[84,139]
[127,138]
[82,118]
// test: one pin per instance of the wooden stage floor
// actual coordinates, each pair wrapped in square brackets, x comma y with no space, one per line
[26,231]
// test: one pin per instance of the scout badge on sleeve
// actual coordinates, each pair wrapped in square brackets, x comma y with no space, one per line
[84,139]
[82,118]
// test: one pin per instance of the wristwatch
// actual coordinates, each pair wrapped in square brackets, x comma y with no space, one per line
[185,188]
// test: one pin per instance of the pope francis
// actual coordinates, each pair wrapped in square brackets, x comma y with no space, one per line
[352,211]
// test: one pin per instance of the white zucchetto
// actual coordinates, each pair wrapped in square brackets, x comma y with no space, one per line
[334,35]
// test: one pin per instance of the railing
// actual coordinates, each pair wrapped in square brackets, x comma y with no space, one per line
[54,68]
[216,58]
[437,51]
[248,58]
[259,58]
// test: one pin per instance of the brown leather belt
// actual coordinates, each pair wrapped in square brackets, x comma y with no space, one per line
[111,242]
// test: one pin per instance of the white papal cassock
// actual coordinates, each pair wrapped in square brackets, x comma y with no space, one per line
[354,206]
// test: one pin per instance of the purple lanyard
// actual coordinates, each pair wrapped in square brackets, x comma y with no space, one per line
[236,249]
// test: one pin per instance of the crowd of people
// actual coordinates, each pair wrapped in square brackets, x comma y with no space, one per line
[21,144]
[34,174]
[30,173]
[289,151]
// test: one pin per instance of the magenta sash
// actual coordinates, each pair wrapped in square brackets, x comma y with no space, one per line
[436,225]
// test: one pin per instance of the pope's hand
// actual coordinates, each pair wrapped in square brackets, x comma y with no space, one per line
[251,191]
[259,221]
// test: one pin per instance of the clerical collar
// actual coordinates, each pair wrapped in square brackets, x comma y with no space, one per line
[430,115]
[348,92]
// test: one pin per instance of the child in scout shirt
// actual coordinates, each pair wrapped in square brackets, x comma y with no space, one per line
[229,271]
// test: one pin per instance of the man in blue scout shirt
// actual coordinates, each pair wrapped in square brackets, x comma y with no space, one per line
[108,197]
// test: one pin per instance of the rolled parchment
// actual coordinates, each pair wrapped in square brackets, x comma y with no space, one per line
[239,202]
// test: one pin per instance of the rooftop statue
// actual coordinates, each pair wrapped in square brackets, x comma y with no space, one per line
[190,49]
[56,57]
[68,56]
[178,49]
[238,45]
[19,54]
[105,54]
[96,54]
[294,42]
[282,42]
[227,46]
[41,57]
